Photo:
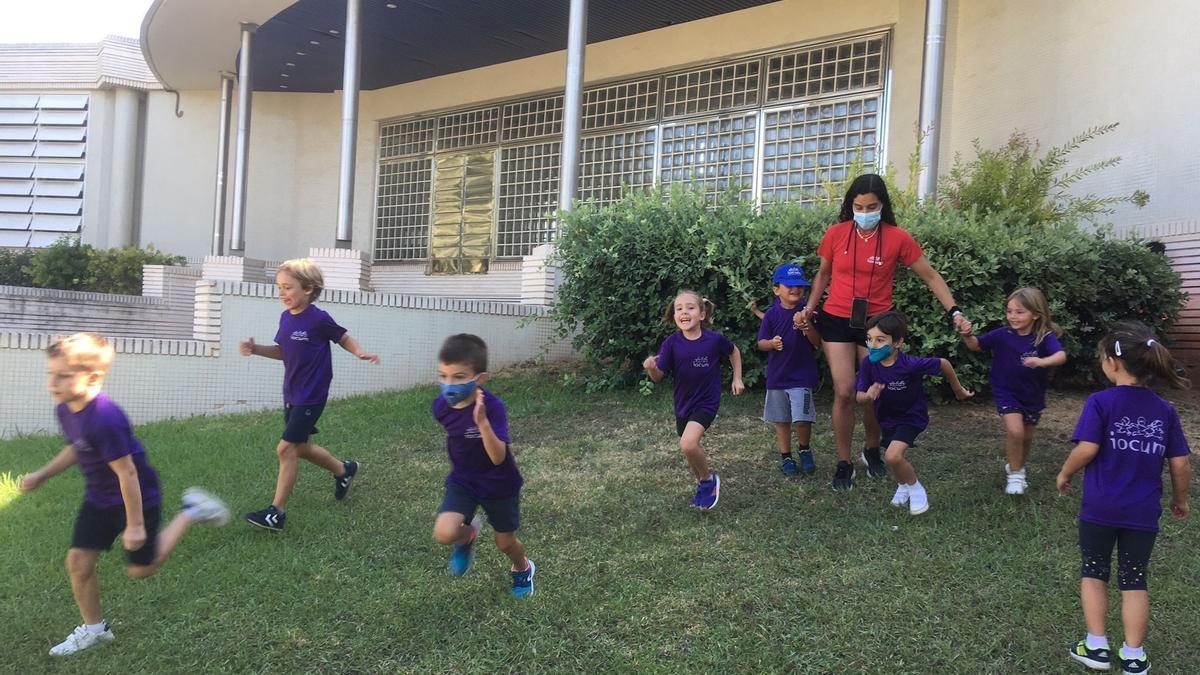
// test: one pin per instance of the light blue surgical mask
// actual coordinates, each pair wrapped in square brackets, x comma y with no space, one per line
[457,393]
[868,221]
[877,354]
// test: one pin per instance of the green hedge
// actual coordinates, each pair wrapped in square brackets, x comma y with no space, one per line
[623,263]
[68,264]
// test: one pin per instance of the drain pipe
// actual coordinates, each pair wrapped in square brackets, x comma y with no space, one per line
[931,96]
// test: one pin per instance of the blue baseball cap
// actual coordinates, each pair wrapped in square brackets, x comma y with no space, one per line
[790,274]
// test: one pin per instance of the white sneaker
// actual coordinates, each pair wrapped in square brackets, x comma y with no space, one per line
[80,639]
[1016,481]
[918,501]
[901,497]
[201,506]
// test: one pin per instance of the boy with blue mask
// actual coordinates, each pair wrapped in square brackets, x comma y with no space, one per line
[892,380]
[483,472]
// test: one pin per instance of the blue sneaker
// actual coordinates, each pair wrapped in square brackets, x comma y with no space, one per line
[523,581]
[708,492]
[807,466]
[788,466]
[464,554]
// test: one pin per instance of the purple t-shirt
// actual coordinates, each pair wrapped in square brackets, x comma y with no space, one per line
[100,433]
[307,362]
[1014,384]
[1136,430]
[696,367]
[902,401]
[470,466]
[796,365]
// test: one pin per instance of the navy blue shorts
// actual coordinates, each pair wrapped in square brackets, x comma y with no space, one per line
[703,417]
[1029,418]
[904,433]
[300,422]
[96,529]
[504,515]
[1096,544]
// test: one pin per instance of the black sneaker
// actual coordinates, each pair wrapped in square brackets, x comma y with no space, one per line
[341,484]
[269,518]
[1132,666]
[1096,659]
[843,477]
[875,466]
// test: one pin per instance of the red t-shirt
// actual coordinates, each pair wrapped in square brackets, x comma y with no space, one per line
[853,259]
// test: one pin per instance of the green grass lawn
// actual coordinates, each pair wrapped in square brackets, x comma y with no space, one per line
[782,576]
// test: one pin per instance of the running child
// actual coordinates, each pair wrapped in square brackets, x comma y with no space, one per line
[1022,353]
[121,492]
[483,472]
[1124,436]
[892,380]
[302,343]
[791,370]
[693,357]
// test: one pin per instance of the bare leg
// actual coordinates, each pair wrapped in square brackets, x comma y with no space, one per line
[1014,440]
[452,528]
[322,458]
[81,568]
[689,443]
[1093,595]
[288,468]
[514,549]
[1027,445]
[840,356]
[901,469]
[1135,615]
[168,539]
[804,433]
[870,424]
[783,437]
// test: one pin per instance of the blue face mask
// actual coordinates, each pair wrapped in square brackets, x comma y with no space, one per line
[877,354]
[457,393]
[867,221]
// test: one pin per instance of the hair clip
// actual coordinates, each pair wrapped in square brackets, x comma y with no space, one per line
[1151,342]
[1117,347]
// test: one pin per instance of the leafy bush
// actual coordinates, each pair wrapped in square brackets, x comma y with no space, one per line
[63,264]
[68,264]
[13,264]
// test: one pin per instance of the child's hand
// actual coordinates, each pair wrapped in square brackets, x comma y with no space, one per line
[1031,362]
[801,318]
[961,323]
[777,343]
[961,393]
[1063,482]
[134,537]
[1180,509]
[650,363]
[368,357]
[246,347]
[752,305]
[31,481]
[737,387]
[965,328]
[480,409]
[875,390]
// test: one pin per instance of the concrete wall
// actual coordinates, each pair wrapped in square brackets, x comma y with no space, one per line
[166,314]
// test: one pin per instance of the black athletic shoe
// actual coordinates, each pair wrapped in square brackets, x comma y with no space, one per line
[1096,659]
[341,485]
[843,477]
[1132,666]
[269,518]
[875,466]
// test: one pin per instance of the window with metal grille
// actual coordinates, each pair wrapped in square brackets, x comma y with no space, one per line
[528,198]
[402,210]
[620,104]
[806,145]
[406,138]
[724,87]
[532,119]
[467,129]
[831,69]
[716,153]
[43,147]
[612,163]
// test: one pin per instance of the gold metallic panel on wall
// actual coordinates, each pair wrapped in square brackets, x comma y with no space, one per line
[460,236]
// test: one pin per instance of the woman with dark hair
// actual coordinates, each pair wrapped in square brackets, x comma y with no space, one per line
[859,258]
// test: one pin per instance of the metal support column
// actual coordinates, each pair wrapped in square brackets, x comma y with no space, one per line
[218,244]
[350,77]
[237,239]
[568,173]
[931,96]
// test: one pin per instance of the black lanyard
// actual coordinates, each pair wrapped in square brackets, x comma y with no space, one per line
[854,260]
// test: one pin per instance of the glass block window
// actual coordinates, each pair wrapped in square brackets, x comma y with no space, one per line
[715,153]
[724,87]
[43,148]
[832,69]
[620,104]
[402,210]
[528,198]
[406,138]
[531,119]
[611,163]
[468,129]
[805,145]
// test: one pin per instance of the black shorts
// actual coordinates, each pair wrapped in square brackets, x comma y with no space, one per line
[504,515]
[904,433]
[837,329]
[704,417]
[300,422]
[1133,554]
[96,529]
[1030,418]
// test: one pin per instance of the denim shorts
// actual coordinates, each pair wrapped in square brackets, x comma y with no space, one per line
[786,406]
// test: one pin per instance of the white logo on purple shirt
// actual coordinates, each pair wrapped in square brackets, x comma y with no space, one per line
[301,335]
[1138,436]
[700,362]
[472,432]
[897,385]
